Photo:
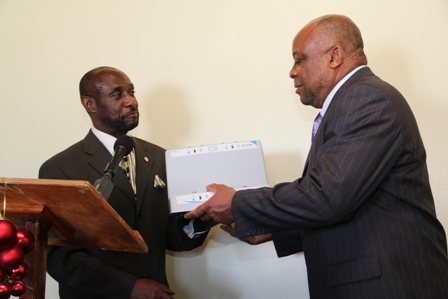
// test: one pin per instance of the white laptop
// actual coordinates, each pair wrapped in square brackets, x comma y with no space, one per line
[239,165]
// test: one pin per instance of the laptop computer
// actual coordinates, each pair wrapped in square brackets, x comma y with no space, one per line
[239,165]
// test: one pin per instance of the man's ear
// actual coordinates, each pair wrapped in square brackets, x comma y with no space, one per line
[336,56]
[89,104]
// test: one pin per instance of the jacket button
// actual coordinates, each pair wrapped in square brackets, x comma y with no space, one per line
[140,214]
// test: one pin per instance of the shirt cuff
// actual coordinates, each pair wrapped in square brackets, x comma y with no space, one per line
[189,230]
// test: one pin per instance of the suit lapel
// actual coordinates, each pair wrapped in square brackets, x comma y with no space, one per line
[99,157]
[121,182]
[144,163]
[352,80]
[305,168]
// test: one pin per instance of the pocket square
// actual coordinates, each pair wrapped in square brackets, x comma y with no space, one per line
[158,183]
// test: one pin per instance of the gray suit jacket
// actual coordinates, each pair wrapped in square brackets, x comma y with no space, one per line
[88,273]
[363,210]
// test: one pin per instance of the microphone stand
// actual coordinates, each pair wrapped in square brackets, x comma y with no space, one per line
[104,185]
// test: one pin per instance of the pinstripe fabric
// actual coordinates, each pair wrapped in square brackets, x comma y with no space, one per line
[363,211]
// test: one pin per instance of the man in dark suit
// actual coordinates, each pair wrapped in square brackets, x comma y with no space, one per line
[363,211]
[108,96]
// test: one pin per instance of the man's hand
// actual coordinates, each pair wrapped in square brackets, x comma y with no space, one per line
[151,289]
[218,208]
[254,240]
[200,226]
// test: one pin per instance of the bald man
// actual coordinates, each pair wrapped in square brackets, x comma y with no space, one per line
[362,211]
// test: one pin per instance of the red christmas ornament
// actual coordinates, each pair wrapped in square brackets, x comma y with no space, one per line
[19,273]
[11,257]
[25,240]
[17,289]
[8,233]
[5,290]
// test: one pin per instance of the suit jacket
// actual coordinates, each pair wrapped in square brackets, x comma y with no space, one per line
[363,210]
[88,273]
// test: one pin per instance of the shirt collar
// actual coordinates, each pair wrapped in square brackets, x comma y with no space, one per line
[107,140]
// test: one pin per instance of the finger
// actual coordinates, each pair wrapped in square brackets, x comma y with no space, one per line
[212,187]
[196,213]
[170,291]
[225,228]
[229,228]
[166,292]
[162,295]
[206,218]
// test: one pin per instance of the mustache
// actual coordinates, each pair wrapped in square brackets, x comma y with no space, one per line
[132,110]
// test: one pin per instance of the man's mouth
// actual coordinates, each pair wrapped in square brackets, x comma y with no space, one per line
[131,114]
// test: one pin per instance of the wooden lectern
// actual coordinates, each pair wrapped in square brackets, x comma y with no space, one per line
[63,213]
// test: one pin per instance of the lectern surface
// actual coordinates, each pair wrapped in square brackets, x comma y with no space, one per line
[78,214]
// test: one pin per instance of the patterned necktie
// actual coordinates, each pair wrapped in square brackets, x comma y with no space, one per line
[128,166]
[316,125]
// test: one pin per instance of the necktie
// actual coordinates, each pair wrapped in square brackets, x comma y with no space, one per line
[316,125]
[129,168]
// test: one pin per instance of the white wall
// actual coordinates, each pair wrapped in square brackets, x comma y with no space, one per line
[208,72]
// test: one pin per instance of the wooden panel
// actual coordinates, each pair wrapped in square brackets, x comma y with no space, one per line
[78,215]
[36,260]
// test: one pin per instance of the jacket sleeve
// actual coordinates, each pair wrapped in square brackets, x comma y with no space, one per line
[358,143]
[287,243]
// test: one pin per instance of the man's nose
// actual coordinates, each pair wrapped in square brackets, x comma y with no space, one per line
[130,100]
[292,72]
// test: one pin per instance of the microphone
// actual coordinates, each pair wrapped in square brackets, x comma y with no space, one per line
[122,147]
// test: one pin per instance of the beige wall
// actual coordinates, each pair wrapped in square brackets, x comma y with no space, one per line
[208,72]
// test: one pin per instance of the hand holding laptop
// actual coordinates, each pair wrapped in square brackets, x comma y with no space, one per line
[218,208]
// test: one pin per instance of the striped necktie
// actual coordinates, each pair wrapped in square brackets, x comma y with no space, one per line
[316,125]
[127,164]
